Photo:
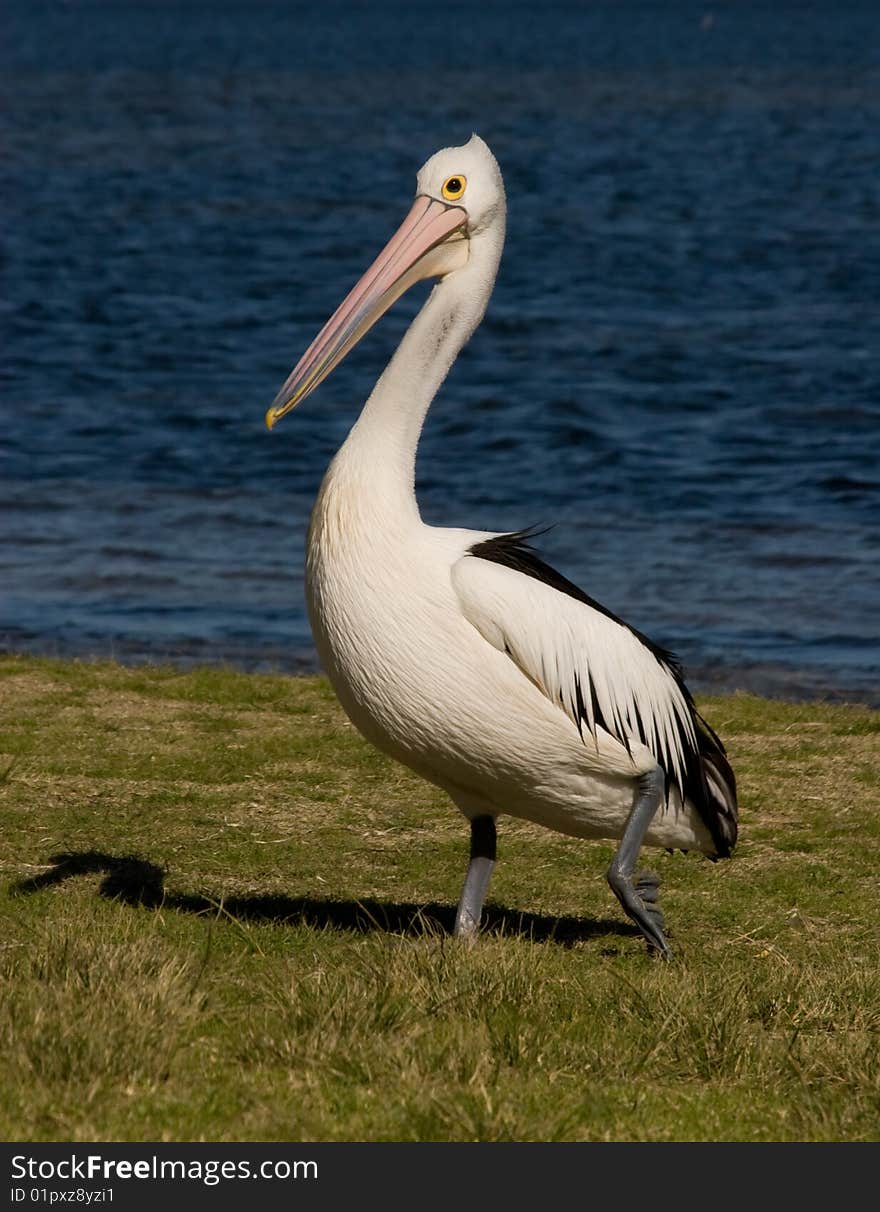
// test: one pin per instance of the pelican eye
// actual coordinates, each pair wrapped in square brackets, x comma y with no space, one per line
[453,188]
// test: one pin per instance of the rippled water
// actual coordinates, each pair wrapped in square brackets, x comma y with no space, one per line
[680,366]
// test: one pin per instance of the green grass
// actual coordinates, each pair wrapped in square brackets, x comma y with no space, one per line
[225,917]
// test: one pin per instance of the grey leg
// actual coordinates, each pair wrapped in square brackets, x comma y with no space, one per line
[470,905]
[638,895]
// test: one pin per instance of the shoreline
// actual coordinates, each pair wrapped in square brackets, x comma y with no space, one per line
[773,682]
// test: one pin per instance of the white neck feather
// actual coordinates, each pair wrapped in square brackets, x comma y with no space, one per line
[377,461]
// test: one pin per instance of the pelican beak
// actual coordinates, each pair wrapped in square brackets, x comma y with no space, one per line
[430,243]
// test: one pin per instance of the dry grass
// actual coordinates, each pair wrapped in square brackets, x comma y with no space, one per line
[225,917]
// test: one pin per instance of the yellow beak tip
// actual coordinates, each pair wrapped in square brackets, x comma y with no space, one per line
[271,418]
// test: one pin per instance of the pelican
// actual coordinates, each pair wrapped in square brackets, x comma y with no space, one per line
[460,652]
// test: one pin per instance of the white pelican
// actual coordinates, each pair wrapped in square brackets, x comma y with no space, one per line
[459,652]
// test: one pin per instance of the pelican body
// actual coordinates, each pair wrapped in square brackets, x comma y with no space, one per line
[461,653]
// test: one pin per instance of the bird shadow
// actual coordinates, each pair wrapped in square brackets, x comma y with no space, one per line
[138,882]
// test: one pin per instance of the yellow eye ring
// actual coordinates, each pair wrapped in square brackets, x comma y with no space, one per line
[454,187]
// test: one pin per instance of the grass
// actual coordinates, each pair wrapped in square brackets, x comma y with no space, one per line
[225,917]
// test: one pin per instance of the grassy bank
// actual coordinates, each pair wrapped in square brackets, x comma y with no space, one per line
[225,917]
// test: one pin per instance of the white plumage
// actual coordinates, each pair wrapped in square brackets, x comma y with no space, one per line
[461,653]
[566,647]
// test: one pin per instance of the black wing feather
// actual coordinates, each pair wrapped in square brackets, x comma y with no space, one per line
[709,780]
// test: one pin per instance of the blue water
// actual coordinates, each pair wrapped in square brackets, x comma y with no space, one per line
[680,366]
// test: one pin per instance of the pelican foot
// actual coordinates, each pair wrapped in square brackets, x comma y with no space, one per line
[466,927]
[639,895]
[638,891]
[647,884]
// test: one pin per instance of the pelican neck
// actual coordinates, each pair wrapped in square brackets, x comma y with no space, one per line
[380,450]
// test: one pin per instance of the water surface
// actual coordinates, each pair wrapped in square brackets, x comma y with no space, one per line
[679,367]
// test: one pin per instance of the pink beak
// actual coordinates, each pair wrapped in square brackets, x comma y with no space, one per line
[414,252]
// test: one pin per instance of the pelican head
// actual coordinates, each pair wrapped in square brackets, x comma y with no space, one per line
[459,196]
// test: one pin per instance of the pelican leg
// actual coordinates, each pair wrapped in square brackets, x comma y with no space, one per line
[479,872]
[638,893]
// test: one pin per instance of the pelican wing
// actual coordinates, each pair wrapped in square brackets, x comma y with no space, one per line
[600,672]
